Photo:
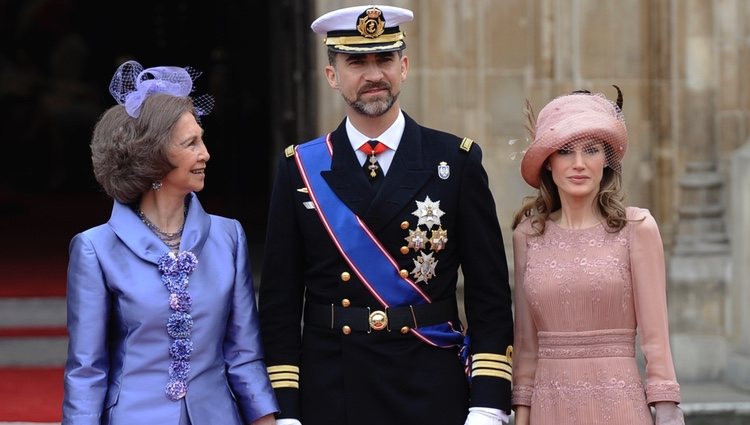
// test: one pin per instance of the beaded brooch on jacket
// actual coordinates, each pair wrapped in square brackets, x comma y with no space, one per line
[176,269]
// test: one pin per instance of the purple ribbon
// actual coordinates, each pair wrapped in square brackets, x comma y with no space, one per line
[132,84]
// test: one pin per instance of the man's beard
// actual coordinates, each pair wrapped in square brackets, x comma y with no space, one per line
[373,108]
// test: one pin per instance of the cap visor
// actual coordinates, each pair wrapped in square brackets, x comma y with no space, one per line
[368,48]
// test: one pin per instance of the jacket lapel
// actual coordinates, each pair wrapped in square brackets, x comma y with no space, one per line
[145,244]
[134,234]
[197,227]
[346,178]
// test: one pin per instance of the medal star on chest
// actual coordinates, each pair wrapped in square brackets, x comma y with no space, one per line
[428,212]
[424,267]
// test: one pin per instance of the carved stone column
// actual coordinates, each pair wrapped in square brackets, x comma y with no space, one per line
[738,368]
[698,273]
[698,269]
[700,229]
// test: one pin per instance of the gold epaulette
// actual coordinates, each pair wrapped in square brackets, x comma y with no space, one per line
[284,376]
[289,151]
[491,364]
[466,144]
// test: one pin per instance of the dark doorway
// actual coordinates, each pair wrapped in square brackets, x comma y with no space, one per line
[56,60]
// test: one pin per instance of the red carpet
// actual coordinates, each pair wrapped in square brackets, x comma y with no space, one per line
[31,332]
[31,394]
[36,230]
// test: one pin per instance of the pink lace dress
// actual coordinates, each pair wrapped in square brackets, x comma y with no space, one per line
[580,295]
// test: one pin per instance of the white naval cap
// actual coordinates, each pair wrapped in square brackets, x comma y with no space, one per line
[363,29]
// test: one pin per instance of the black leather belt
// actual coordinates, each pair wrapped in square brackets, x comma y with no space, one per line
[367,319]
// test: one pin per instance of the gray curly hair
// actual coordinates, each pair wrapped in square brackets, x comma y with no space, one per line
[129,154]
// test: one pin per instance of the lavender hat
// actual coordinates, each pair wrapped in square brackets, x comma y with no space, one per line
[131,85]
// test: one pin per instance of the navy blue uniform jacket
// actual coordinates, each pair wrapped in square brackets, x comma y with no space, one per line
[324,376]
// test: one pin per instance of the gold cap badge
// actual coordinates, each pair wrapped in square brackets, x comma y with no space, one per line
[371,23]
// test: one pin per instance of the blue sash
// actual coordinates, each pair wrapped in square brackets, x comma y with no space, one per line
[368,259]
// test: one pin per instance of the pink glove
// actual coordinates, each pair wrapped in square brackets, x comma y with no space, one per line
[668,413]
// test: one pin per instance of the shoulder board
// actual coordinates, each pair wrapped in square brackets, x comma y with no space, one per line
[466,144]
[289,151]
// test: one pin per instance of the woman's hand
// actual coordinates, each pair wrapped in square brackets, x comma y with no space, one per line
[522,415]
[265,420]
[668,413]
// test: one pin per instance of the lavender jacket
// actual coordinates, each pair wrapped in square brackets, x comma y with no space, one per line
[118,308]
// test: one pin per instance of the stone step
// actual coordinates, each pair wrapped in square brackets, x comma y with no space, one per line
[32,332]
[27,312]
[713,403]
[33,351]
[729,413]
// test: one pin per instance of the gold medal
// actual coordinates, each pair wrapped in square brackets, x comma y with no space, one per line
[416,239]
[438,239]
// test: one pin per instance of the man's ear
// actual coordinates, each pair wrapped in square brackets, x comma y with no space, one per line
[404,67]
[330,71]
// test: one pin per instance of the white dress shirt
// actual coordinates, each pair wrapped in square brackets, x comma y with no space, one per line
[390,137]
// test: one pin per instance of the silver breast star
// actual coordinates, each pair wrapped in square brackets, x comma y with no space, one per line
[429,212]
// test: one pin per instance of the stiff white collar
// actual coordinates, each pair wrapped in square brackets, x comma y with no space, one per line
[391,137]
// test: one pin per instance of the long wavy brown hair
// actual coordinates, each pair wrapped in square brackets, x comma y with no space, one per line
[609,201]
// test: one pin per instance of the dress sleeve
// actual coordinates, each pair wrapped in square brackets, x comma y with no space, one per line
[525,343]
[88,308]
[650,295]
[487,294]
[243,354]
[282,291]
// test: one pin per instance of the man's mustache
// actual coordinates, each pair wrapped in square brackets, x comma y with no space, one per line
[374,86]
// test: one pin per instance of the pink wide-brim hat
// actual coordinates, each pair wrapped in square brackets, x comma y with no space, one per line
[570,118]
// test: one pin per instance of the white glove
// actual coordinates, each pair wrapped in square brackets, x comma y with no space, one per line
[668,413]
[486,416]
[288,421]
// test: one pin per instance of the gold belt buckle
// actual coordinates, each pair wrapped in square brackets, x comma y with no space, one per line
[378,320]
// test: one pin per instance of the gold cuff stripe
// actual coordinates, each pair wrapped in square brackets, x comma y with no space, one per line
[491,365]
[387,38]
[490,356]
[285,384]
[493,373]
[283,377]
[283,368]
